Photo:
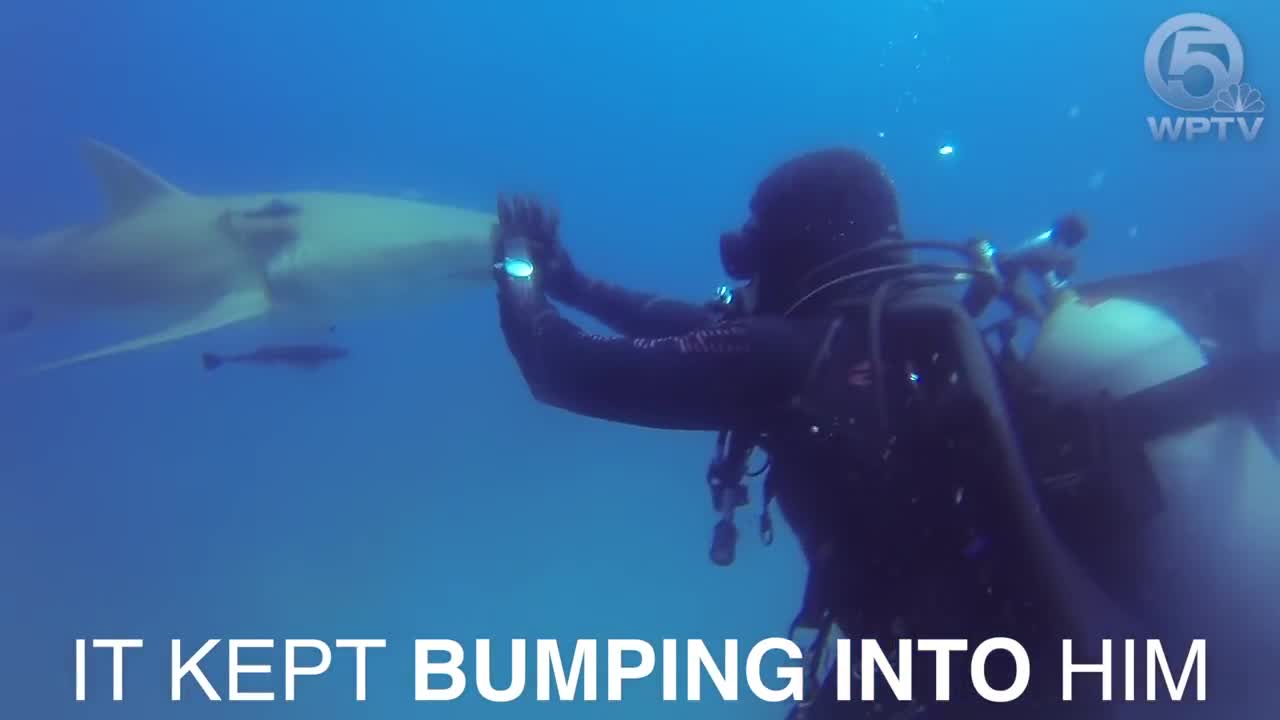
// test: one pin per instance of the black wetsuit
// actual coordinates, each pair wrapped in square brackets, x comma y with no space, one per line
[679,366]
[676,365]
[683,366]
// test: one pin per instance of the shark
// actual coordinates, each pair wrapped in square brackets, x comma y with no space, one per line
[206,262]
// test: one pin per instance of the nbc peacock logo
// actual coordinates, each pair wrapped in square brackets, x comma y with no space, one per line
[1195,63]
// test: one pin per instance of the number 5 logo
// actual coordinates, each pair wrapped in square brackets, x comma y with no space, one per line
[1188,31]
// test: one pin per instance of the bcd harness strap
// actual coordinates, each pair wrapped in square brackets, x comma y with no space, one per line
[815,612]
[727,471]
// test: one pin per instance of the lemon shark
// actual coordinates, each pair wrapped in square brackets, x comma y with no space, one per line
[210,261]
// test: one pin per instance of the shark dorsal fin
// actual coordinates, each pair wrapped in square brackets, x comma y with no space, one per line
[126,185]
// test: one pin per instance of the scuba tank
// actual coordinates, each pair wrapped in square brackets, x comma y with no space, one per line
[1217,533]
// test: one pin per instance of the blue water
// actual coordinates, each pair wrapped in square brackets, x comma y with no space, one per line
[416,490]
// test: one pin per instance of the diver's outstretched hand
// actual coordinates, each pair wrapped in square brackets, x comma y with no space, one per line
[541,228]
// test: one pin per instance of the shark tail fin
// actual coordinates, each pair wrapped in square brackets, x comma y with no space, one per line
[211,361]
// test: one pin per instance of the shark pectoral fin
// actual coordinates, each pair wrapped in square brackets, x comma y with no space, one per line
[231,309]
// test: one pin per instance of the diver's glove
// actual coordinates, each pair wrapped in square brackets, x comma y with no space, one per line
[541,229]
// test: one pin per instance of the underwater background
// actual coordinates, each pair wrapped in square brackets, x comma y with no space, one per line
[416,489]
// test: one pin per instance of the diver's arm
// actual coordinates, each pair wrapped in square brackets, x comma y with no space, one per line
[711,378]
[624,311]
[638,314]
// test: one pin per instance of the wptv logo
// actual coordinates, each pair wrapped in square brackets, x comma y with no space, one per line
[1195,63]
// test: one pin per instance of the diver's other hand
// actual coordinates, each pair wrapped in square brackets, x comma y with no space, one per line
[541,228]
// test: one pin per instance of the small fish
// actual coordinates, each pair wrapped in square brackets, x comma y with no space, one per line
[306,357]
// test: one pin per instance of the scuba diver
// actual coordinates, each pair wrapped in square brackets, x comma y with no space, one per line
[937,484]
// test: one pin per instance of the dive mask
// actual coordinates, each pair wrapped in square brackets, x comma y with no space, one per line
[740,252]
[740,258]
